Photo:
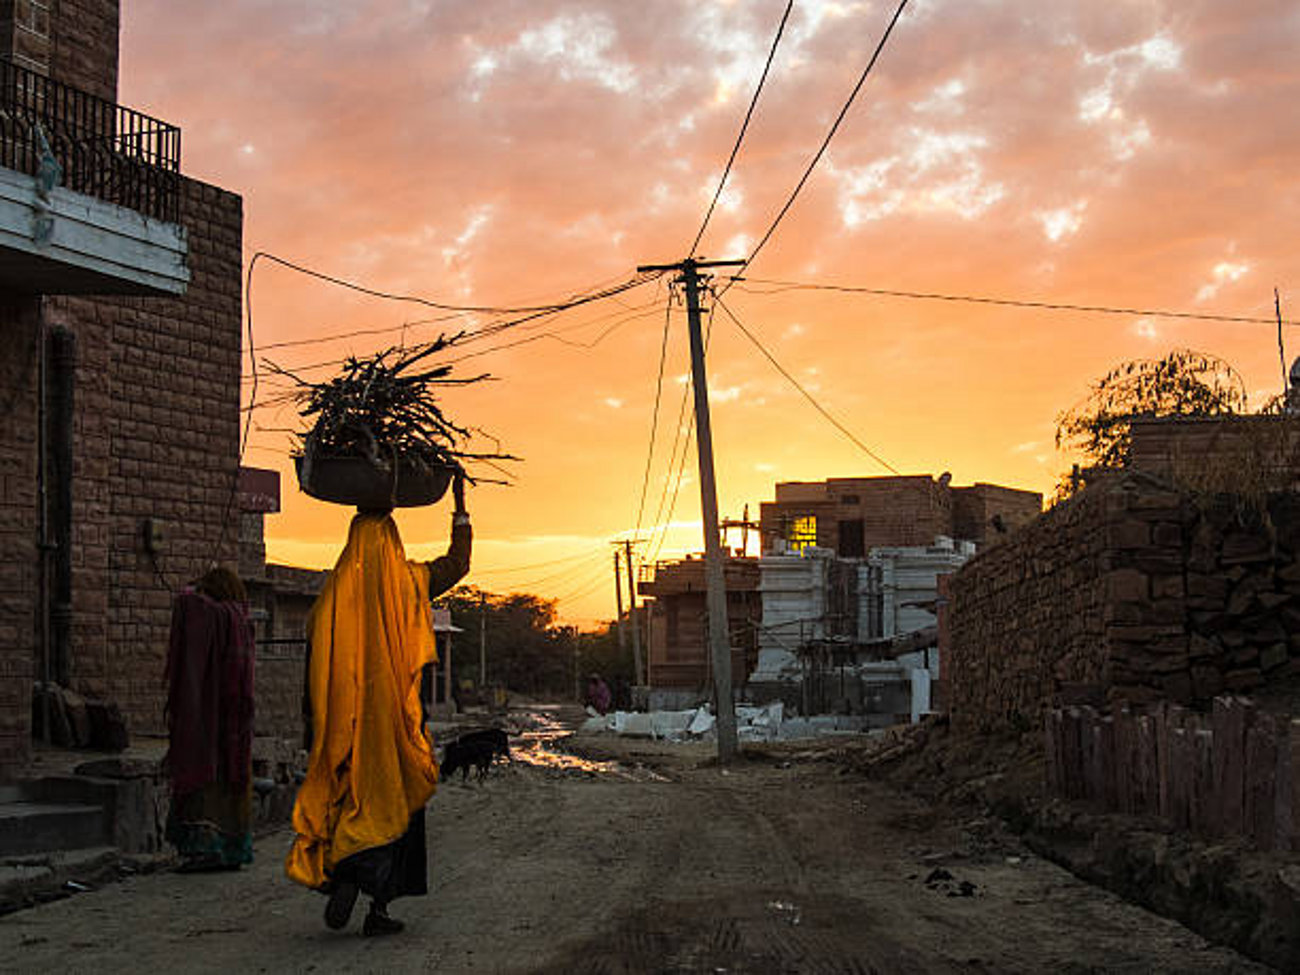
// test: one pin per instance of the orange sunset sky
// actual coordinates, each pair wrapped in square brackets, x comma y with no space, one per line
[504,152]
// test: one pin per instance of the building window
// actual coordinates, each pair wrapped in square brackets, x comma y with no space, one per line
[802,532]
[850,499]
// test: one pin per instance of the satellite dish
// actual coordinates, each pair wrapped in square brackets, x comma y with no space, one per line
[946,478]
[1295,373]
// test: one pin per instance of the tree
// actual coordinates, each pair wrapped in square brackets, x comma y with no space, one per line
[1183,383]
[526,650]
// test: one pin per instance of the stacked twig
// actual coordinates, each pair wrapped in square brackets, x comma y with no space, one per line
[382,409]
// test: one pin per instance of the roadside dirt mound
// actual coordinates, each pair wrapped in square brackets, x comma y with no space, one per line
[1226,891]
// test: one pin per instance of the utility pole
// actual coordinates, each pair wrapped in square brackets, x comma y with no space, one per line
[715,573]
[631,614]
[482,642]
[618,599]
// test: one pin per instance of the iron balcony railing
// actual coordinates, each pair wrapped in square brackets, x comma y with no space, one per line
[102,149]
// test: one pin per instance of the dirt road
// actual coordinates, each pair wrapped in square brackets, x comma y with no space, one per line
[666,864]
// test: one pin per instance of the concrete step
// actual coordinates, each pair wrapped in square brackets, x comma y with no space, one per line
[40,827]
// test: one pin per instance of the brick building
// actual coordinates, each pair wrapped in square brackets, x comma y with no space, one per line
[678,656]
[852,515]
[279,597]
[120,300]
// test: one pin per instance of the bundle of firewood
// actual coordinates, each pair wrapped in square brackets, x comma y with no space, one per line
[385,409]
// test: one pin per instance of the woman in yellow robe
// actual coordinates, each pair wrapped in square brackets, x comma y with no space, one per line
[359,814]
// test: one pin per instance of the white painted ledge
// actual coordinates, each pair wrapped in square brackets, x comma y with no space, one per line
[77,244]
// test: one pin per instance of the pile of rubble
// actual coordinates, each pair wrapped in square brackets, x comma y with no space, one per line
[753,723]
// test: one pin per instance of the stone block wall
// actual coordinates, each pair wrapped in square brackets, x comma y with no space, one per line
[73,41]
[84,35]
[18,535]
[983,513]
[1133,590]
[155,436]
[1216,453]
[285,595]
[25,33]
[277,688]
[1028,616]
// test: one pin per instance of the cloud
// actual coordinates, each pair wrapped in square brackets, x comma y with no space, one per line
[1223,273]
[1146,328]
[1063,221]
[517,152]
[935,172]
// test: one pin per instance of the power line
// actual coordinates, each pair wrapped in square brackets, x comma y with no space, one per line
[585,592]
[682,440]
[553,334]
[676,481]
[535,565]
[884,38]
[807,395]
[525,314]
[248,420]
[563,576]
[654,417]
[389,296]
[779,287]
[740,137]
[356,333]
[586,588]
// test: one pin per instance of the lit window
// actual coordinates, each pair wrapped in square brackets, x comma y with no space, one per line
[802,533]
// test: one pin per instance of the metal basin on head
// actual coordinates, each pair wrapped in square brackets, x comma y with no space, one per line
[358,482]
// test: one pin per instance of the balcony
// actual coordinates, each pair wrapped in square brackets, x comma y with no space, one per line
[89,193]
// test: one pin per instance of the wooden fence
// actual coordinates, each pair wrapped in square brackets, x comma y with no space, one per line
[1234,772]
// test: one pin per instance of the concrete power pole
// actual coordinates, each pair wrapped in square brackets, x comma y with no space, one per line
[715,573]
[631,615]
[618,600]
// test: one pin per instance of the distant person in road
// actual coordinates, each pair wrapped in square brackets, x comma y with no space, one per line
[598,696]
[210,724]
[359,815]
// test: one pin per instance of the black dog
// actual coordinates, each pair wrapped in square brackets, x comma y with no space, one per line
[476,749]
[496,736]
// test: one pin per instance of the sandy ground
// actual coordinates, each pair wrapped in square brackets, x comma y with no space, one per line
[664,863]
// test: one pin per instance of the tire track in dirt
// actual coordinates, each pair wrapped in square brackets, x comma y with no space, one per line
[757,919]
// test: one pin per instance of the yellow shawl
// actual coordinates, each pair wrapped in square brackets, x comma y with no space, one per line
[371,766]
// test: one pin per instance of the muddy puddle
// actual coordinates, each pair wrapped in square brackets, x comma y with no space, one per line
[537,738]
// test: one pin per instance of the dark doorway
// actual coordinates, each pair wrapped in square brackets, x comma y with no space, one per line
[851,542]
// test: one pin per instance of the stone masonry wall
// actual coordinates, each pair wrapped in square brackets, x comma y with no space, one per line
[156,437]
[1027,616]
[278,691]
[18,572]
[1188,597]
[25,33]
[85,45]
